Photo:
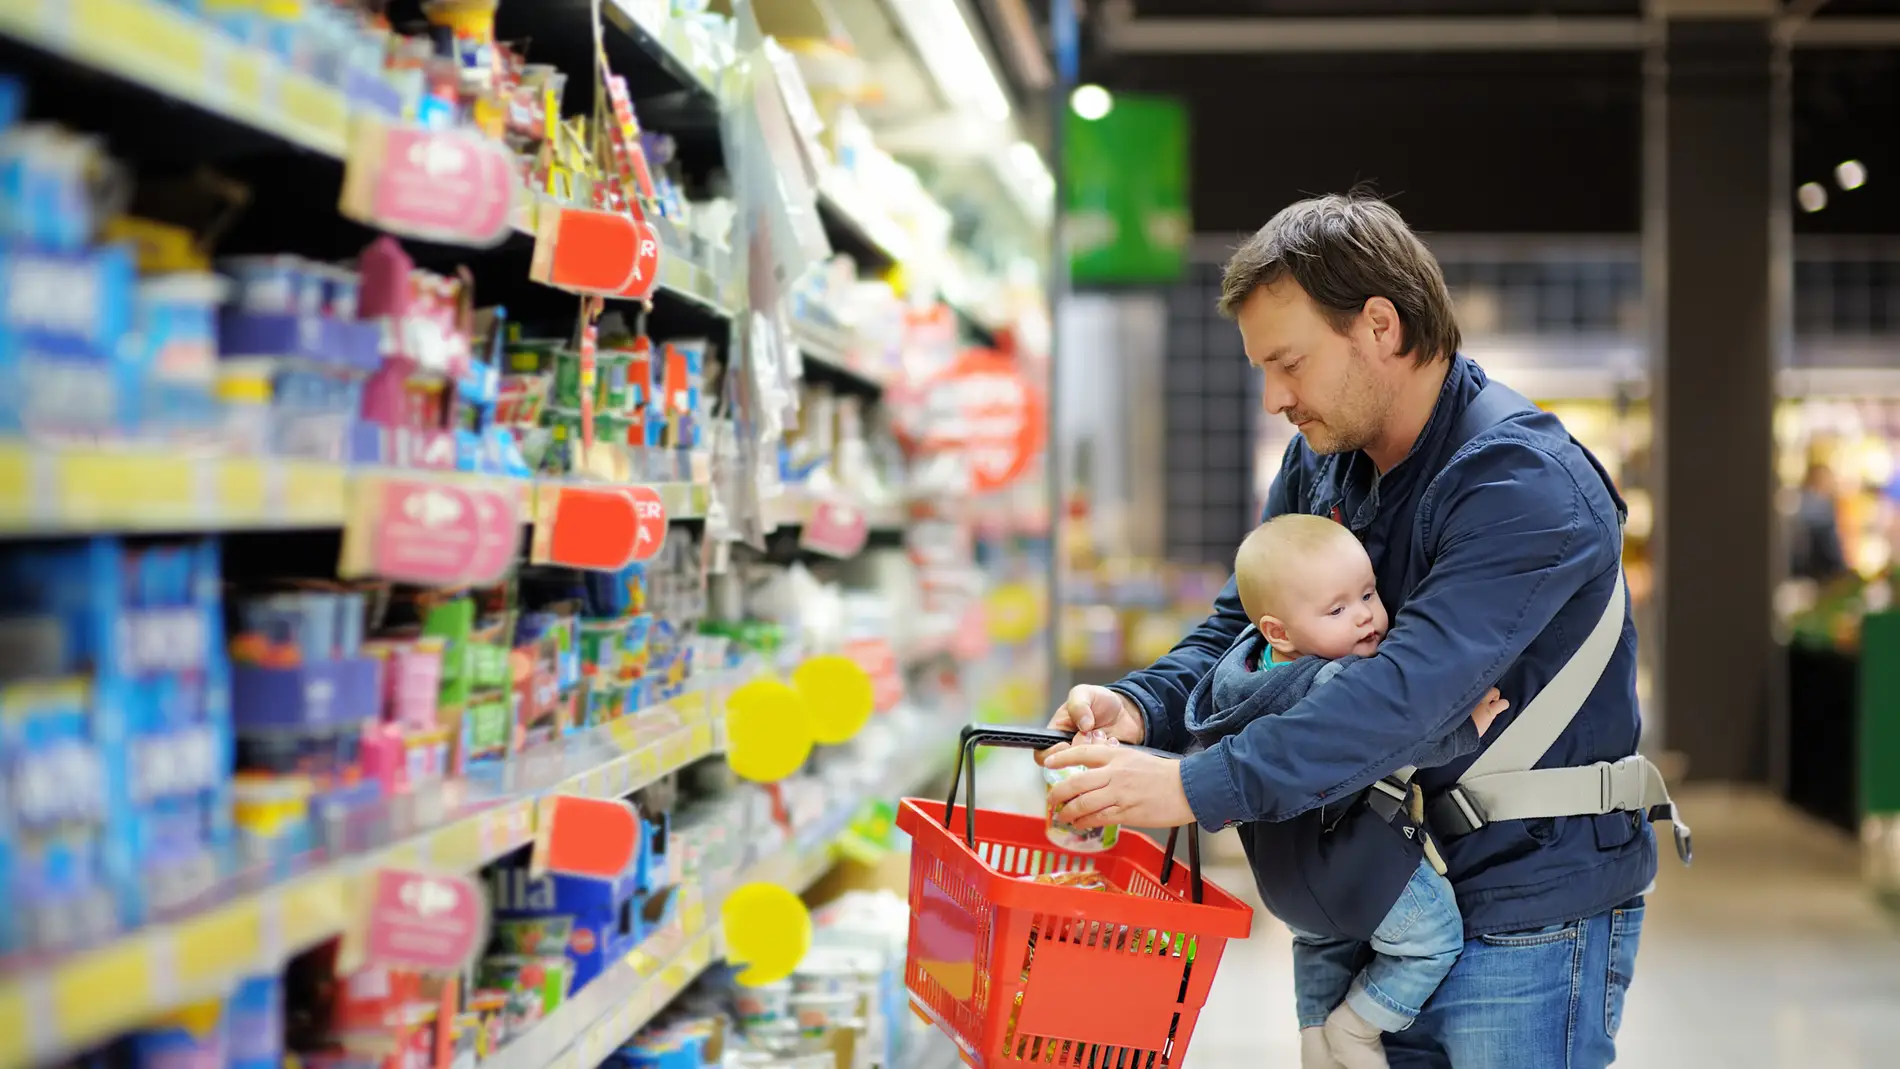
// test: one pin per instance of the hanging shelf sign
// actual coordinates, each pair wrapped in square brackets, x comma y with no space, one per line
[597,528]
[835,528]
[436,185]
[588,251]
[428,922]
[431,532]
[593,837]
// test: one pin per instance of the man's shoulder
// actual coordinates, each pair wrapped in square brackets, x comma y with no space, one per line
[1528,464]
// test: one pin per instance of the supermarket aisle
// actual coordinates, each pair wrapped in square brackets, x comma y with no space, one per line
[1765,955]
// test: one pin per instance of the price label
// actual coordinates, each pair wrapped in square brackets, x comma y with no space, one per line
[836,528]
[437,185]
[598,528]
[428,922]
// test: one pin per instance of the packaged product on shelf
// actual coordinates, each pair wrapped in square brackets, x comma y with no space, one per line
[116,740]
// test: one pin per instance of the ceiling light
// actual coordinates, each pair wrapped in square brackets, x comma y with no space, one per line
[1091,102]
[1850,174]
[948,47]
[1812,197]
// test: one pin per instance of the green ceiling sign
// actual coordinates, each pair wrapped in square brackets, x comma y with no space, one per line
[1126,212]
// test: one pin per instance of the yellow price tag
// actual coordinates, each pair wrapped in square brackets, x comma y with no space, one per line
[103,487]
[315,112]
[649,760]
[625,733]
[222,944]
[16,487]
[14,1024]
[241,495]
[457,846]
[313,492]
[123,969]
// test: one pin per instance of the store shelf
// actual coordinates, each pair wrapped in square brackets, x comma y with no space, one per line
[794,509]
[826,351]
[56,1009]
[876,242]
[582,1033]
[162,48]
[45,490]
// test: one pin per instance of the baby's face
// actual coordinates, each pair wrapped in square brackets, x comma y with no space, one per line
[1331,605]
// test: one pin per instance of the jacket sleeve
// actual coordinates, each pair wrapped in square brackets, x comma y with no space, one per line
[1445,749]
[1161,690]
[1515,538]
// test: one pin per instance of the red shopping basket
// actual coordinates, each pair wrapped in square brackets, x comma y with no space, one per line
[1022,972]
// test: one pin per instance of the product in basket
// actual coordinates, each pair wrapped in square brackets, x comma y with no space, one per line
[1067,836]
[1086,880]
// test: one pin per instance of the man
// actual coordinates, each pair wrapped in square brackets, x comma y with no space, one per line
[1501,550]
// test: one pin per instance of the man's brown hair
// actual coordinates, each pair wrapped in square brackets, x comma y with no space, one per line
[1344,249]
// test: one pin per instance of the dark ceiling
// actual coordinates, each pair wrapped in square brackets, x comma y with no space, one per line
[1523,142]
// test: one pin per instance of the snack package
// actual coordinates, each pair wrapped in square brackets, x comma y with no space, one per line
[1086,880]
[1067,836]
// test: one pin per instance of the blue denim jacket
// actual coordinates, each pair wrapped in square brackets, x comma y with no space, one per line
[1497,556]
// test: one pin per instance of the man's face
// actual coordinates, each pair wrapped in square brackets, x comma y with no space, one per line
[1322,381]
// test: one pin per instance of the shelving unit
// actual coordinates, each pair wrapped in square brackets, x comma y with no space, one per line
[287,134]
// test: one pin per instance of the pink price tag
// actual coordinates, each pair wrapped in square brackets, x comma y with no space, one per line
[424,921]
[439,185]
[427,533]
[498,534]
[836,529]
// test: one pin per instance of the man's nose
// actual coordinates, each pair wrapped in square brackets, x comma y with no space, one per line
[1276,399]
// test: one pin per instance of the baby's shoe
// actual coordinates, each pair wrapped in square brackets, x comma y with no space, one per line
[1314,1051]
[1355,1043]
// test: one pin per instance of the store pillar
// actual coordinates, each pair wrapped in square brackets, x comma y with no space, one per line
[1718,261]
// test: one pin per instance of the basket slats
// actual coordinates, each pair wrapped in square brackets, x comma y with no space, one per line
[1028,973]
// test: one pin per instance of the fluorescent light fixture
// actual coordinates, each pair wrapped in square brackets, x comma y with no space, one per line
[1028,179]
[1091,102]
[945,40]
[1812,196]
[1850,174]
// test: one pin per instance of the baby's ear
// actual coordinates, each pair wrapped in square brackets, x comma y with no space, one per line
[1275,633]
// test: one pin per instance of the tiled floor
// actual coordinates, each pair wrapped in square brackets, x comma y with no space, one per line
[1767,954]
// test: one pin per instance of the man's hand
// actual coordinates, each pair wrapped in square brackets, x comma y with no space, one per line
[1487,710]
[1121,786]
[1097,709]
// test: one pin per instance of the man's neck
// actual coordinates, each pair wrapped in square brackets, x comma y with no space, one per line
[1411,410]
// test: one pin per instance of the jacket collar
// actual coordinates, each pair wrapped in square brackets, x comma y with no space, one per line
[1358,487]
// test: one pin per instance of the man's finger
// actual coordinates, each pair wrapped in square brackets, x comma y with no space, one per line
[1102,818]
[1088,809]
[1060,794]
[1080,711]
[1085,754]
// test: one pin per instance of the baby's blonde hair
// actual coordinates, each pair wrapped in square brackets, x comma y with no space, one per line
[1275,550]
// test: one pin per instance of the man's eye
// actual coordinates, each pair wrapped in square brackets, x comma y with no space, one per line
[1294,367]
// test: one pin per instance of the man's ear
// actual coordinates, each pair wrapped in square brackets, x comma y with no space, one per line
[1379,320]
[1274,632]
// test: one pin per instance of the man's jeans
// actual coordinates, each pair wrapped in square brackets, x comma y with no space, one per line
[1410,953]
[1548,997]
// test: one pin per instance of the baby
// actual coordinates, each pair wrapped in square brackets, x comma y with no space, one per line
[1362,870]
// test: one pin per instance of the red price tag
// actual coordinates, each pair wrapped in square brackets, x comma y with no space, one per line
[586,837]
[835,529]
[437,185]
[646,265]
[588,251]
[598,528]
[425,921]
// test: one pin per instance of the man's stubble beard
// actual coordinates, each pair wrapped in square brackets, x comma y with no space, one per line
[1365,405]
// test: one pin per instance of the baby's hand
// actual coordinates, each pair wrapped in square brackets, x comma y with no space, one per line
[1487,710]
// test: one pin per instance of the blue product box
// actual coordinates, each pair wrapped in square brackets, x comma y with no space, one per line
[611,917]
[57,855]
[67,365]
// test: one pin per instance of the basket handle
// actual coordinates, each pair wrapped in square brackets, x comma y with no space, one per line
[1025,738]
